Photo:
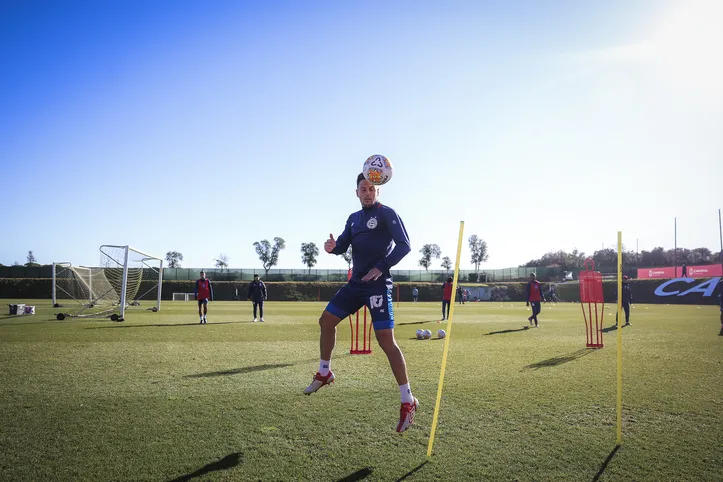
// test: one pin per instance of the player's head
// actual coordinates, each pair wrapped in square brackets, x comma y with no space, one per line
[533,276]
[625,278]
[367,192]
[256,277]
[203,275]
[449,280]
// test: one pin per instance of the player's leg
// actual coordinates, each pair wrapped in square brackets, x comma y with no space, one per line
[381,307]
[345,302]
[721,321]
[536,307]
[200,311]
[449,303]
[255,310]
[205,310]
[626,307]
[444,304]
[261,310]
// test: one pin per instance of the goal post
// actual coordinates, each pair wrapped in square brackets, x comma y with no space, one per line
[124,278]
[136,270]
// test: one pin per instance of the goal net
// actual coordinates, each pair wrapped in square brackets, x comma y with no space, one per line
[184,296]
[125,278]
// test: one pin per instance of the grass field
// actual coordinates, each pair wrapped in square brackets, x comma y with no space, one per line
[159,397]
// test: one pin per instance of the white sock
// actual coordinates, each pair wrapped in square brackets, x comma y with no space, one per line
[406,393]
[324,367]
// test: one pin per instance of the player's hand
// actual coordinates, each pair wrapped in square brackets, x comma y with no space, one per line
[330,244]
[372,275]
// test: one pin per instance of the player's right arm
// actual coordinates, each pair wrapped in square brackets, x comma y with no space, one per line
[527,292]
[341,244]
[195,290]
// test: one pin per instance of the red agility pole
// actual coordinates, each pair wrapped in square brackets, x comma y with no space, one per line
[591,294]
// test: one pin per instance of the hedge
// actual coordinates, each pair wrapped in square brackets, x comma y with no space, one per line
[643,290]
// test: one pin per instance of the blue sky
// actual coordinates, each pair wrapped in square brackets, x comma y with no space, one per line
[202,127]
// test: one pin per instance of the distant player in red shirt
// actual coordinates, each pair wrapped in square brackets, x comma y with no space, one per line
[446,298]
[534,298]
[203,293]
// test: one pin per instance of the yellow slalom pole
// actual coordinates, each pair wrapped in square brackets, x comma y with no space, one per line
[620,342]
[446,341]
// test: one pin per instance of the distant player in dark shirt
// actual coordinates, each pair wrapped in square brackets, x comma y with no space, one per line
[379,241]
[446,298]
[257,294]
[203,293]
[534,298]
[627,298]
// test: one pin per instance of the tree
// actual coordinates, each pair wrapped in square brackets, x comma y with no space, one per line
[347,256]
[429,251]
[222,261]
[478,249]
[269,255]
[309,253]
[31,258]
[446,263]
[174,258]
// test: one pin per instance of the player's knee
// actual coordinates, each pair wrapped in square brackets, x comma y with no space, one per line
[328,321]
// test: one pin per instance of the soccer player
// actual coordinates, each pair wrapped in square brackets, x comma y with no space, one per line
[534,298]
[203,293]
[415,294]
[627,299]
[379,241]
[446,298]
[257,294]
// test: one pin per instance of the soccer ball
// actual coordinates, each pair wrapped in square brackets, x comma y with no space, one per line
[420,334]
[427,334]
[377,169]
[441,333]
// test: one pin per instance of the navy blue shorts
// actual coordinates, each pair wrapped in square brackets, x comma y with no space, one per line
[376,296]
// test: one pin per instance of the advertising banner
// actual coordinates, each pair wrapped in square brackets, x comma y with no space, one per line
[706,271]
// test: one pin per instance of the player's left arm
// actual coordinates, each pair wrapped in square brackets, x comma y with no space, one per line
[402,247]
[263,289]
[210,291]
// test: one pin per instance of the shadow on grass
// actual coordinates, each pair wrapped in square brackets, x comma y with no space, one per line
[613,328]
[506,331]
[605,464]
[416,322]
[165,324]
[225,463]
[239,371]
[408,474]
[559,360]
[358,475]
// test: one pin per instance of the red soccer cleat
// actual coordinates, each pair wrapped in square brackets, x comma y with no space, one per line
[319,381]
[406,415]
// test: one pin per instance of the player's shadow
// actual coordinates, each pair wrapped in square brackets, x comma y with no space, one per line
[506,331]
[416,322]
[605,464]
[239,371]
[559,360]
[165,325]
[612,328]
[411,472]
[225,463]
[360,474]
